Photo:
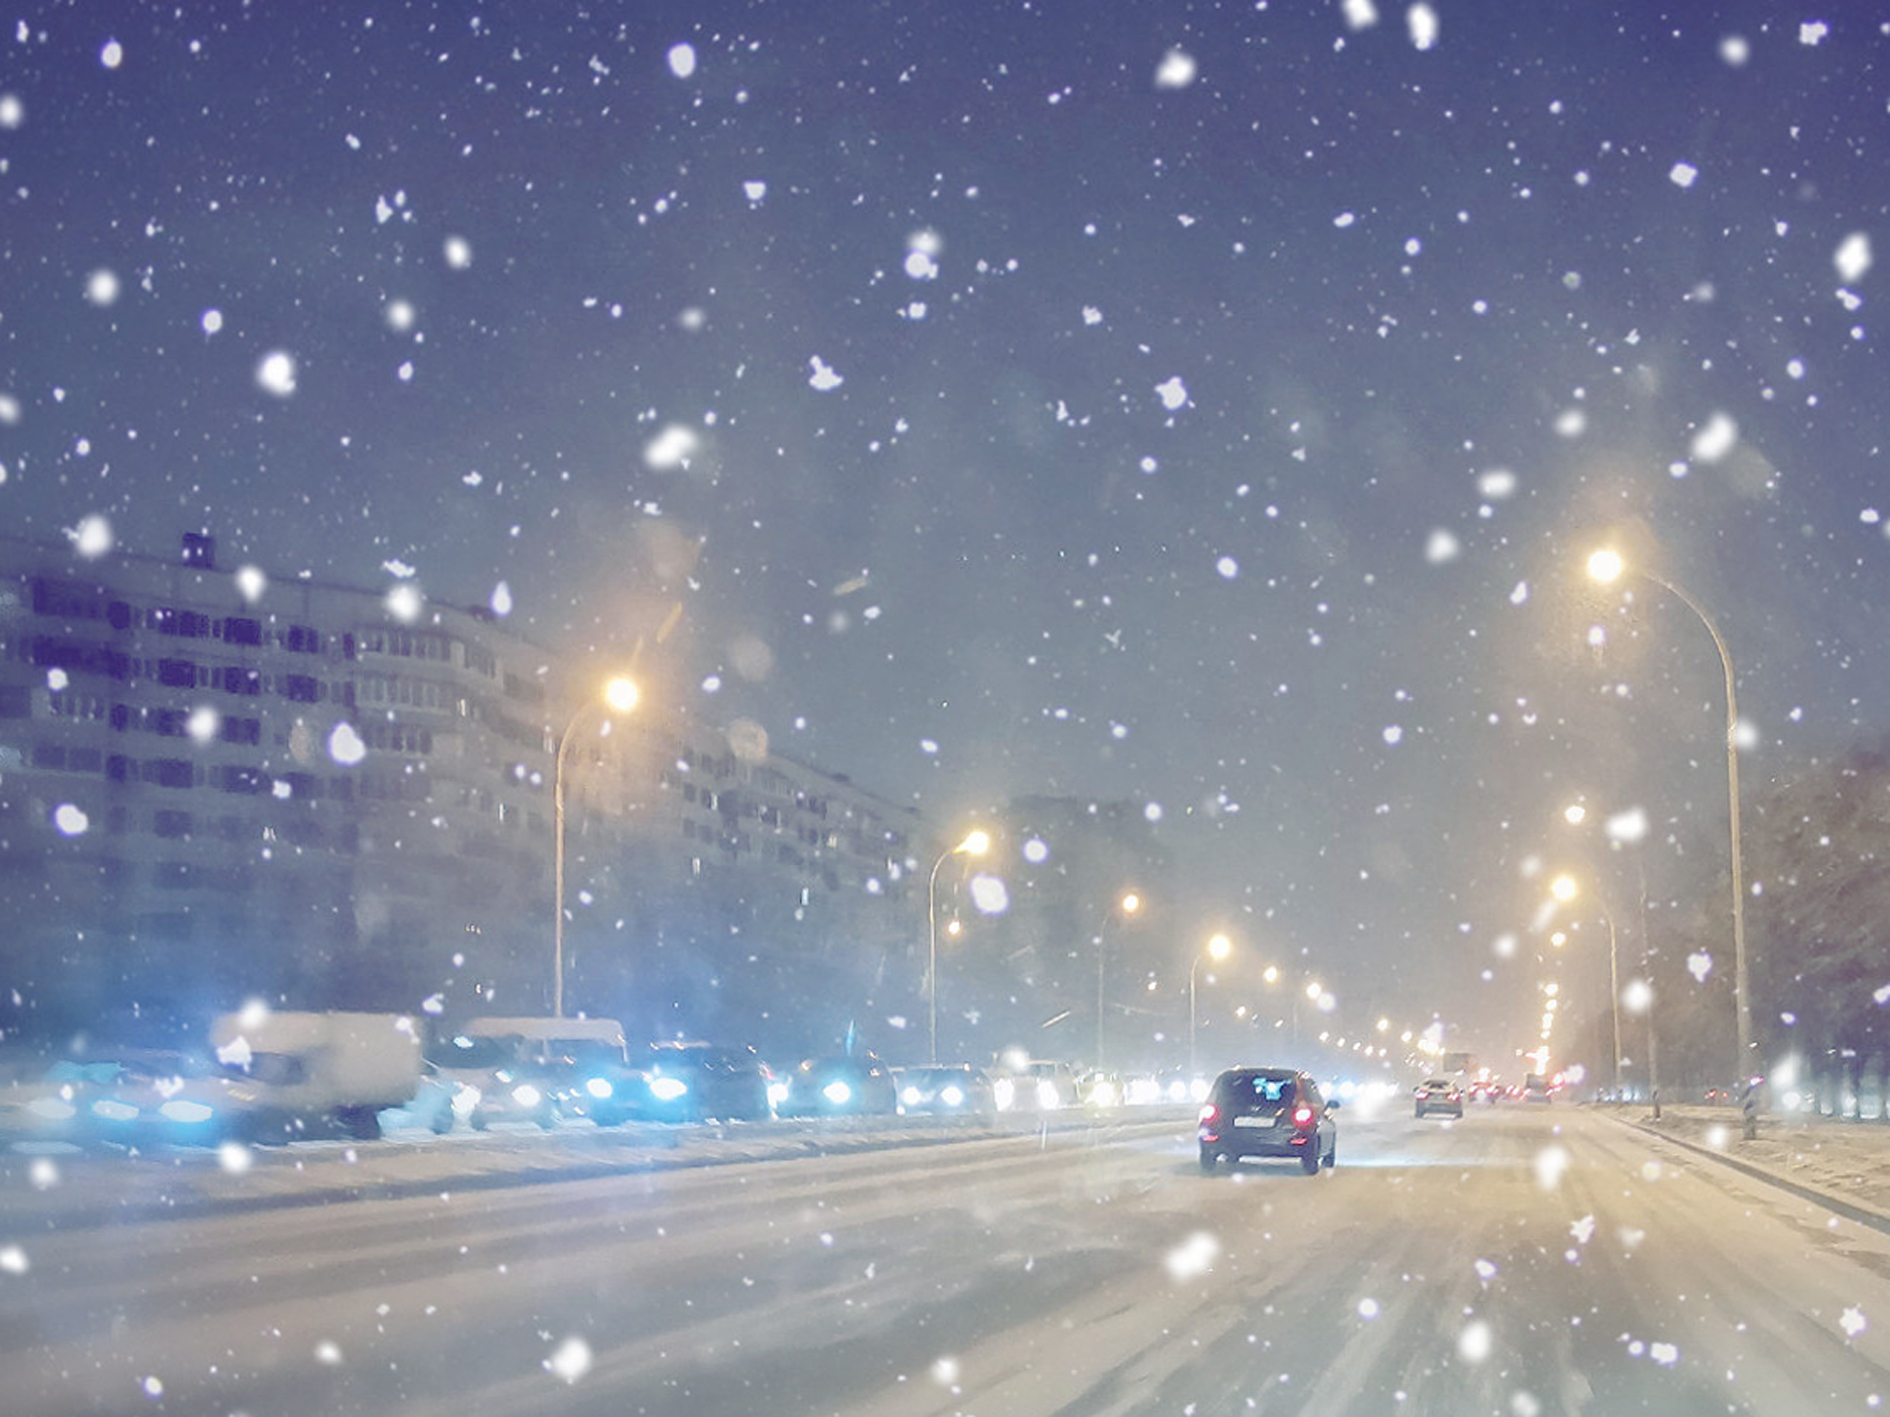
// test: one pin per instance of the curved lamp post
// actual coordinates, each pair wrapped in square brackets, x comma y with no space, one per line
[620,696]
[1606,567]
[1128,905]
[1564,889]
[976,844]
[1217,948]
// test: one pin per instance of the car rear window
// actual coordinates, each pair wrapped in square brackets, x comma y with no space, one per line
[1259,1092]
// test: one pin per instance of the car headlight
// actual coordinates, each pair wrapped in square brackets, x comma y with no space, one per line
[665,1089]
[599,1088]
[110,1109]
[953,1097]
[1004,1093]
[526,1095]
[465,1098]
[186,1111]
[837,1092]
[1047,1095]
[910,1096]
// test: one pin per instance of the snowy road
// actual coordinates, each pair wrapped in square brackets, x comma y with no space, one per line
[1519,1262]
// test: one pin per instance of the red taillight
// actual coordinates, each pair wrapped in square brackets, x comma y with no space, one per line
[1209,1113]
[1302,1116]
[1422,1095]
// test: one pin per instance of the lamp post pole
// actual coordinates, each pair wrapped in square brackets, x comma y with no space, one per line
[1605,566]
[1130,903]
[1217,947]
[620,695]
[973,845]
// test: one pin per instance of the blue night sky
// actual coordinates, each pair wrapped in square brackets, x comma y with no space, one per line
[1209,405]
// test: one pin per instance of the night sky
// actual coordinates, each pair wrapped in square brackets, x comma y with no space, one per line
[1210,406]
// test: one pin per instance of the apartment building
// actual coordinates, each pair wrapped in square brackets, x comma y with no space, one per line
[217,783]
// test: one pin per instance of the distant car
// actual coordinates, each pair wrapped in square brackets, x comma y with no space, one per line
[1439,1095]
[947,1091]
[1269,1113]
[694,1082]
[1036,1086]
[848,1086]
[1537,1088]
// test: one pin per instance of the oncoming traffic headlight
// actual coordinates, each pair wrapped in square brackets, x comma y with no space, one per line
[599,1088]
[526,1095]
[837,1092]
[665,1089]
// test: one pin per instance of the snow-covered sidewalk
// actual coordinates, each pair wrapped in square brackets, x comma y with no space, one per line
[1844,1164]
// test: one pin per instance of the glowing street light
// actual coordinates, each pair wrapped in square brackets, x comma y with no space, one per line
[1607,566]
[1217,948]
[619,697]
[974,844]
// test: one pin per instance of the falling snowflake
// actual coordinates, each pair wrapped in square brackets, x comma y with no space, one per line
[571,1360]
[823,377]
[1194,1256]
[1474,1343]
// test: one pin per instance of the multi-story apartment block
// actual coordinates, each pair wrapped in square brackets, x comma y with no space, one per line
[217,784]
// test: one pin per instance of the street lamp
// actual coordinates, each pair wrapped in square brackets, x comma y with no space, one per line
[620,696]
[1218,948]
[975,844]
[1607,566]
[1128,904]
[1564,889]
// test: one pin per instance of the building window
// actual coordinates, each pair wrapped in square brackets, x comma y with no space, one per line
[170,772]
[241,630]
[172,825]
[238,680]
[302,688]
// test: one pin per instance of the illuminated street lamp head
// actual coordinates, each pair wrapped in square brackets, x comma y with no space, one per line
[975,844]
[1131,902]
[1606,566]
[1563,888]
[1271,974]
[1220,947]
[1574,814]
[621,695]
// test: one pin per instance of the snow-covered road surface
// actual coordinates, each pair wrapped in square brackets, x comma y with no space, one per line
[1520,1261]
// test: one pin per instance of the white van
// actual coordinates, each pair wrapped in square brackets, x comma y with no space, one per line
[285,1075]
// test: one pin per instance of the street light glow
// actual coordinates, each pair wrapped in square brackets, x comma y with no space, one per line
[1563,888]
[621,695]
[1606,566]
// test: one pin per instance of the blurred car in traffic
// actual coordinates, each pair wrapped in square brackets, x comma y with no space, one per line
[535,1070]
[695,1082]
[1438,1095]
[956,1090]
[135,1099]
[1035,1085]
[850,1085]
[1268,1113]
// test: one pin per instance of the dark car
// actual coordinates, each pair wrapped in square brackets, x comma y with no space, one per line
[693,1082]
[1268,1112]
[849,1086]
[945,1091]
[1439,1095]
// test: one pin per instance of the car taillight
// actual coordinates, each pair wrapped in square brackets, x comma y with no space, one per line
[1422,1095]
[1209,1113]
[1302,1116]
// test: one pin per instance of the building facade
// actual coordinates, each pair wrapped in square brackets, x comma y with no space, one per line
[216,784]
